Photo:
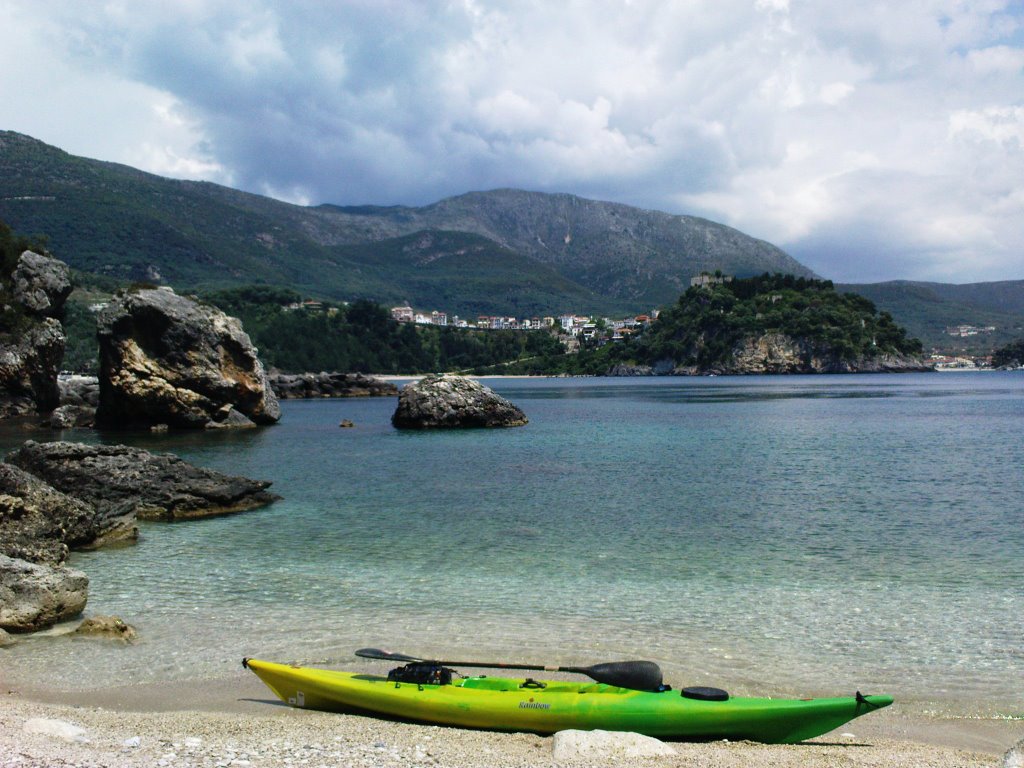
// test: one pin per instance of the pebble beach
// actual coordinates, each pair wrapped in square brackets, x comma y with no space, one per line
[236,722]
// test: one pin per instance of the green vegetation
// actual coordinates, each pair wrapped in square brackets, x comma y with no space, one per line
[1011,354]
[708,322]
[362,337]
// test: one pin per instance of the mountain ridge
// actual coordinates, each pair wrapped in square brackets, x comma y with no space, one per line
[116,220]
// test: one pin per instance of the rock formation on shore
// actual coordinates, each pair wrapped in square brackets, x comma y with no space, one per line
[37,526]
[119,480]
[312,385]
[60,496]
[32,346]
[777,353]
[167,359]
[34,596]
[444,401]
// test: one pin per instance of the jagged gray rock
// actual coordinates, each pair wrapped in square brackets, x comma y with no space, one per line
[41,284]
[39,523]
[167,359]
[119,480]
[444,401]
[623,369]
[311,385]
[780,353]
[29,362]
[79,390]
[34,596]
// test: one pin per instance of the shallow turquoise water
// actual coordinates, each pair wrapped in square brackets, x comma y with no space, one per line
[789,535]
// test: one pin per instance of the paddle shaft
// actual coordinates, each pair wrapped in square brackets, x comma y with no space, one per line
[643,675]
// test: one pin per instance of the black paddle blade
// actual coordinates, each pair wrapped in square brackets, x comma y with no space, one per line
[377,653]
[635,675]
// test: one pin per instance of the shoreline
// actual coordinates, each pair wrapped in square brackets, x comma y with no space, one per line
[237,720]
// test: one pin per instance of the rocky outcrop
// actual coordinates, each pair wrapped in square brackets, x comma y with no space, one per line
[41,284]
[167,359]
[779,353]
[35,596]
[119,480]
[32,351]
[29,362]
[79,390]
[39,524]
[452,402]
[323,384]
[623,369]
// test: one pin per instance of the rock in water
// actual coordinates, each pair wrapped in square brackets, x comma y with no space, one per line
[109,627]
[453,401]
[35,596]
[38,523]
[605,746]
[167,359]
[118,480]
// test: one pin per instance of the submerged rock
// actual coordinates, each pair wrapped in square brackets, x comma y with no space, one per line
[167,359]
[108,627]
[323,384]
[34,596]
[444,401]
[119,480]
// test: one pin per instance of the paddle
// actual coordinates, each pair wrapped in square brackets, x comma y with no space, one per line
[636,675]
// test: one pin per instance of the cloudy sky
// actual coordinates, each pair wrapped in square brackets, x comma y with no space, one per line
[873,140]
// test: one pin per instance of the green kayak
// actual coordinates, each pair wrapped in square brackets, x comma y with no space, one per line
[547,706]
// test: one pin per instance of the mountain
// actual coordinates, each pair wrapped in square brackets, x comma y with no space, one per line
[504,251]
[927,310]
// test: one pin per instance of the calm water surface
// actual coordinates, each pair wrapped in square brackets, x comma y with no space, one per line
[771,535]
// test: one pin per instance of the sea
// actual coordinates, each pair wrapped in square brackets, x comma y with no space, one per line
[777,535]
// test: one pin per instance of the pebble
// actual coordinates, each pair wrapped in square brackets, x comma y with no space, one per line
[282,737]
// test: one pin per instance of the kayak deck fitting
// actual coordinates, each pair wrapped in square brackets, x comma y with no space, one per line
[509,704]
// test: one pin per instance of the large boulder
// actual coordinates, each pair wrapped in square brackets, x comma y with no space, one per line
[34,597]
[39,524]
[168,359]
[119,480]
[451,402]
[323,384]
[41,284]
[29,362]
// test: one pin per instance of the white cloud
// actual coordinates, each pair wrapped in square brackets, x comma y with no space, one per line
[881,142]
